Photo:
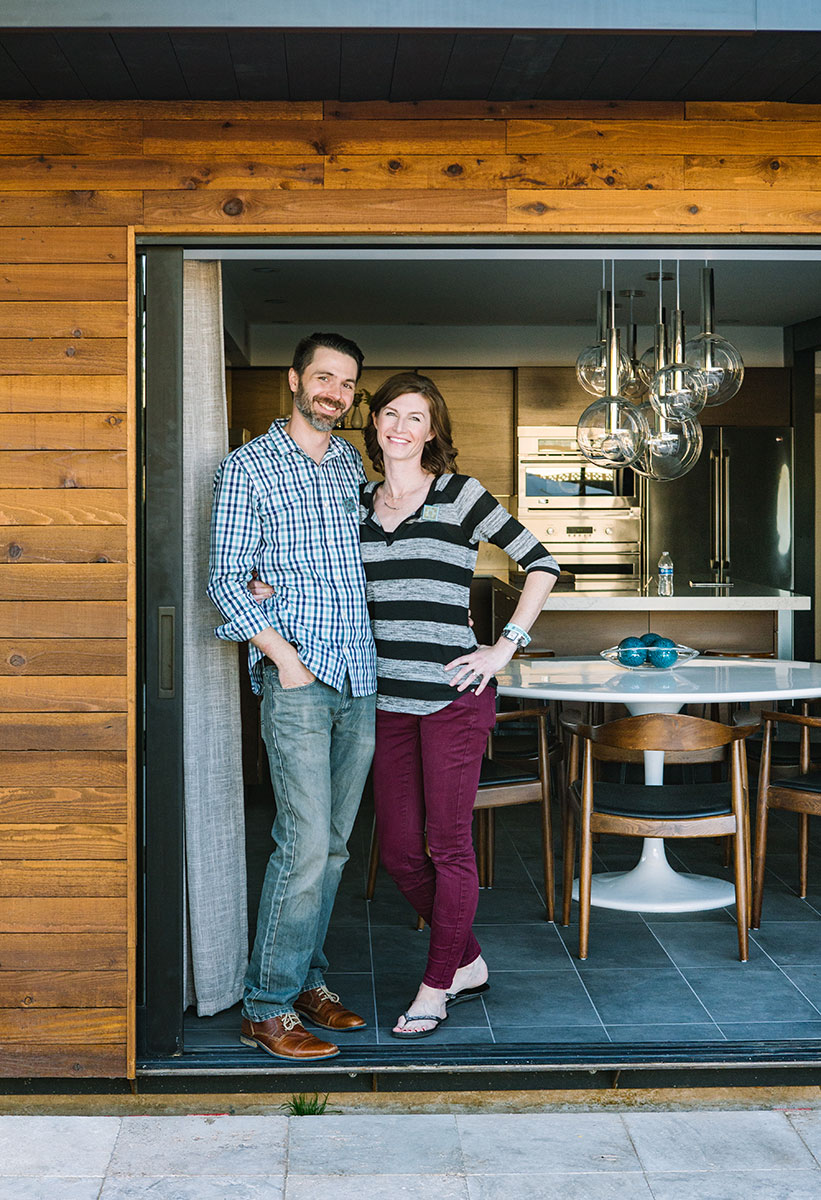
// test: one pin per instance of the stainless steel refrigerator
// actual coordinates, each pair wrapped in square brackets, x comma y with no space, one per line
[731,516]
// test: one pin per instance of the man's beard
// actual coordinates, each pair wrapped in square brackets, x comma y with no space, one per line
[318,421]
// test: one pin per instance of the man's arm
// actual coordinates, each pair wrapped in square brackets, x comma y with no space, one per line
[235,541]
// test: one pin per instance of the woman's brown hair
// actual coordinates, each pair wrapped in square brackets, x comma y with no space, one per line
[439,454]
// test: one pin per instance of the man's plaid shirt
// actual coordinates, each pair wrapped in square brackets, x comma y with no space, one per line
[296,523]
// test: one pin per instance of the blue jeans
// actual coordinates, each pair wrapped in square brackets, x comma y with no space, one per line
[320,745]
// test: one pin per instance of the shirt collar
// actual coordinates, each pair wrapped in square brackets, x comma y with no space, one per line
[284,444]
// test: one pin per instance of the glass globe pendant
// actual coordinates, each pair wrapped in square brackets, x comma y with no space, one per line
[712,355]
[612,432]
[591,365]
[677,390]
[673,446]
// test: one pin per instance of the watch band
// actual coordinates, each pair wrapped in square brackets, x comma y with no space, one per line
[515,633]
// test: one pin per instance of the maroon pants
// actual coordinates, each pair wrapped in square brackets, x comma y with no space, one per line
[425,776]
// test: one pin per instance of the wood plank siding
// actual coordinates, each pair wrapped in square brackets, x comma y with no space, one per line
[78,182]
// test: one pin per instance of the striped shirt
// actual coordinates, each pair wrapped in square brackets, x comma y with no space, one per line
[419,580]
[294,522]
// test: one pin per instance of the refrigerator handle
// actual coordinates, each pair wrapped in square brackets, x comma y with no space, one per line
[715,510]
[725,508]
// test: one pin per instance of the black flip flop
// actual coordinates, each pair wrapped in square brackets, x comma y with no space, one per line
[415,1034]
[464,994]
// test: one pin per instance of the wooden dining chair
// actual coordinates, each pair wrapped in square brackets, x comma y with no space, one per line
[671,811]
[503,783]
[799,793]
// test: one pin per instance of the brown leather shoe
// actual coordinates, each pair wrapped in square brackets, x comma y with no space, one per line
[322,1007]
[285,1037]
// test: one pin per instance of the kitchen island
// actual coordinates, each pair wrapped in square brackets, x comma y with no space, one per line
[746,617]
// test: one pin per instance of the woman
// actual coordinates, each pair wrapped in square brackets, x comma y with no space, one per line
[420,532]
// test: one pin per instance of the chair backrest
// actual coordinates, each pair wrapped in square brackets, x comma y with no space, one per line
[661,731]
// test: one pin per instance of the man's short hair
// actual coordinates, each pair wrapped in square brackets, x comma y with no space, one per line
[306,349]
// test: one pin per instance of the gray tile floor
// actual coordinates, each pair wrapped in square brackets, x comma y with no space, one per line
[649,978]
[760,1155]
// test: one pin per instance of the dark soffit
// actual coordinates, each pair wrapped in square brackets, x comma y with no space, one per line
[490,65]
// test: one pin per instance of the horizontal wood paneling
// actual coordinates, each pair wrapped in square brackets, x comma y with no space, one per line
[62,393]
[62,618]
[52,282]
[28,806]
[64,543]
[71,208]
[323,137]
[61,989]
[57,842]
[61,914]
[112,138]
[62,731]
[66,320]
[334,210]
[143,110]
[711,171]
[664,137]
[92,356]
[77,768]
[38,245]
[41,877]
[71,1027]
[151,174]
[502,171]
[442,110]
[61,431]
[63,581]
[32,1059]
[61,656]
[59,469]
[62,952]
[62,693]
[69,506]
[696,211]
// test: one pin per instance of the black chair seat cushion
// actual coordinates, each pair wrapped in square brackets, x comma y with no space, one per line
[800,783]
[669,802]
[495,772]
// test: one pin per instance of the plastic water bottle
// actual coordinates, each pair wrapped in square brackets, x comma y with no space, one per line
[665,574]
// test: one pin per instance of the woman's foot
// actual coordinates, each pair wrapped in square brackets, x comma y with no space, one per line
[430,1006]
[468,981]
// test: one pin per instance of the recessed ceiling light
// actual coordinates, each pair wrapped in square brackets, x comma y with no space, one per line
[267,270]
[666,276]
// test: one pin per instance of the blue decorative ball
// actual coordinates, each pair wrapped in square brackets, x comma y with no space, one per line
[663,653]
[632,652]
[650,639]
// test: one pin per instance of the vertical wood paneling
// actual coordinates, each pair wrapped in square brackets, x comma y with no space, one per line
[76,179]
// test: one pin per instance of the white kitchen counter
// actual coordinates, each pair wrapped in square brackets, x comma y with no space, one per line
[741,597]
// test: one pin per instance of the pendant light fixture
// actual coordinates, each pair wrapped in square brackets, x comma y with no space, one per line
[591,365]
[712,355]
[677,390]
[612,432]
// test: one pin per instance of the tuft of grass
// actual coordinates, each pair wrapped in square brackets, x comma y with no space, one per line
[305,1105]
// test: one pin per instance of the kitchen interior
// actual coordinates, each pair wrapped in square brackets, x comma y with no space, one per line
[500,332]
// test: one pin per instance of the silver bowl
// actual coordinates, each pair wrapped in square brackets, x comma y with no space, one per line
[683,655]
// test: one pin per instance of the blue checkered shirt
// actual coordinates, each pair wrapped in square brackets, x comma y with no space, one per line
[296,523]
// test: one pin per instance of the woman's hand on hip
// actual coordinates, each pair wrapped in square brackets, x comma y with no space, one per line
[479,666]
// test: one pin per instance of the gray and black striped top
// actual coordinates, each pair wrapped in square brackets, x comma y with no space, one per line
[418,585]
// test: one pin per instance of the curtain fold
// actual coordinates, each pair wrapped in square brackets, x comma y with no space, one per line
[215,880]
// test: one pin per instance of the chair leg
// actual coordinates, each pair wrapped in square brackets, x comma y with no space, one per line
[803,845]
[759,861]
[547,859]
[742,852]
[585,881]
[481,846]
[490,845]
[568,859]
[373,864]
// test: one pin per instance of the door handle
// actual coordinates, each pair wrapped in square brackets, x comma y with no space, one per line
[166,652]
[725,509]
[715,510]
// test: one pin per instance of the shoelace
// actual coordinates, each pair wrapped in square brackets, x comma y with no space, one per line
[326,993]
[290,1021]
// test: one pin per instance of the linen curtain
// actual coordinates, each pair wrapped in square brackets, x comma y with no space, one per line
[217,924]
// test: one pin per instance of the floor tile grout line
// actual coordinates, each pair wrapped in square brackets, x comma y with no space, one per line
[373,973]
[689,985]
[111,1155]
[804,1142]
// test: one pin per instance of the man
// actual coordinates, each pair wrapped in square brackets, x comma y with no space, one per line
[286,508]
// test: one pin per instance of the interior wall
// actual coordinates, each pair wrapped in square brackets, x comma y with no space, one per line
[78,182]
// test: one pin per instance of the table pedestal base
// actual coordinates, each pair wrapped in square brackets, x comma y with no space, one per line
[653,886]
